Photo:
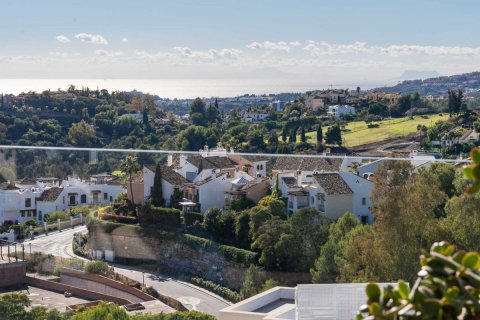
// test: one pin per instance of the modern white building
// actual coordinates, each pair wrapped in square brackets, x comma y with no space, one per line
[254,116]
[340,110]
[277,105]
[304,302]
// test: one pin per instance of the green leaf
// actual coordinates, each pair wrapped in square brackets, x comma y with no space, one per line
[452,293]
[468,172]
[403,289]
[475,154]
[474,188]
[374,309]
[471,260]
[431,307]
[373,291]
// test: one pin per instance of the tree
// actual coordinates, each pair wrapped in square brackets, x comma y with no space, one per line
[285,133]
[332,255]
[334,135]
[157,191]
[198,113]
[81,134]
[176,198]
[129,166]
[276,191]
[408,206]
[13,306]
[106,311]
[319,135]
[303,138]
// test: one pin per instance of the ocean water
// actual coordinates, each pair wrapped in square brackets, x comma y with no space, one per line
[169,88]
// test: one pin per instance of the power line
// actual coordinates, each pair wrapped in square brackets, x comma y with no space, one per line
[213,152]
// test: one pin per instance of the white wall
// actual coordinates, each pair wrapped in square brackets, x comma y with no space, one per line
[362,189]
[336,205]
[212,193]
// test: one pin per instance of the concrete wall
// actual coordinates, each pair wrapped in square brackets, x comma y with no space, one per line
[12,273]
[86,294]
[97,283]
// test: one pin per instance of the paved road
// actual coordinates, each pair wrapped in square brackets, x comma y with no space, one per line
[195,298]
[58,243]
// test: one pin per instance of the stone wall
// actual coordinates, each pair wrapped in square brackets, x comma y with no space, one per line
[168,255]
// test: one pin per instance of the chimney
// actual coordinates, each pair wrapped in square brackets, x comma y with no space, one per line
[170,160]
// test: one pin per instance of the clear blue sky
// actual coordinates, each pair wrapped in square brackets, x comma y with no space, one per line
[257,38]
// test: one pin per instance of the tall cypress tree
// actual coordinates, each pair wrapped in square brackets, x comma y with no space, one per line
[319,135]
[303,138]
[157,192]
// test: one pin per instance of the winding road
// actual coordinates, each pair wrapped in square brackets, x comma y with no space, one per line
[195,298]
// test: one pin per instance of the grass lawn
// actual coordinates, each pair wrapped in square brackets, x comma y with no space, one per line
[360,134]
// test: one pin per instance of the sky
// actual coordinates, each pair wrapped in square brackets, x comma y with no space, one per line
[338,42]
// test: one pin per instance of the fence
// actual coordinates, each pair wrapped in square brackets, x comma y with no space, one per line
[11,251]
[58,225]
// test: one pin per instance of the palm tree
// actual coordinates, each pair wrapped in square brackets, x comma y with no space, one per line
[130,166]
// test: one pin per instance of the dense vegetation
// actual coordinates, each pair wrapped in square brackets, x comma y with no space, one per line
[98,118]
[17,306]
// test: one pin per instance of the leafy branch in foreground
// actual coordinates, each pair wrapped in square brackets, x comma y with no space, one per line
[472,172]
[447,287]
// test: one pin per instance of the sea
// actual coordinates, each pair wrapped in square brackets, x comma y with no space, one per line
[172,88]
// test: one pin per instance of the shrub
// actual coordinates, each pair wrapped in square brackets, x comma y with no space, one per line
[33,223]
[84,210]
[373,125]
[222,291]
[189,218]
[97,267]
[74,263]
[53,217]
[119,218]
[41,263]
[165,217]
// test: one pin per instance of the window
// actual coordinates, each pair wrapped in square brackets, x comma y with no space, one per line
[261,167]
[34,213]
[111,199]
[364,201]
[105,195]
[83,198]
[364,219]
[23,213]
[29,213]
[28,203]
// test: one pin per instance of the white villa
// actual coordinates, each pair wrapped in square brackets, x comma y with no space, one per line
[339,110]
[212,178]
[32,199]
[320,183]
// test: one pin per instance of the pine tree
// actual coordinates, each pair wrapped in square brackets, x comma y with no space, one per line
[157,192]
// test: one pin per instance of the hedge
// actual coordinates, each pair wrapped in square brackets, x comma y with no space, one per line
[222,291]
[189,218]
[230,253]
[166,217]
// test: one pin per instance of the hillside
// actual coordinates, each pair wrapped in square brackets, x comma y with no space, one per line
[359,134]
[437,86]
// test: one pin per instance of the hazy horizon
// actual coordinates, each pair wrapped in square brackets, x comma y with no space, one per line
[175,88]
